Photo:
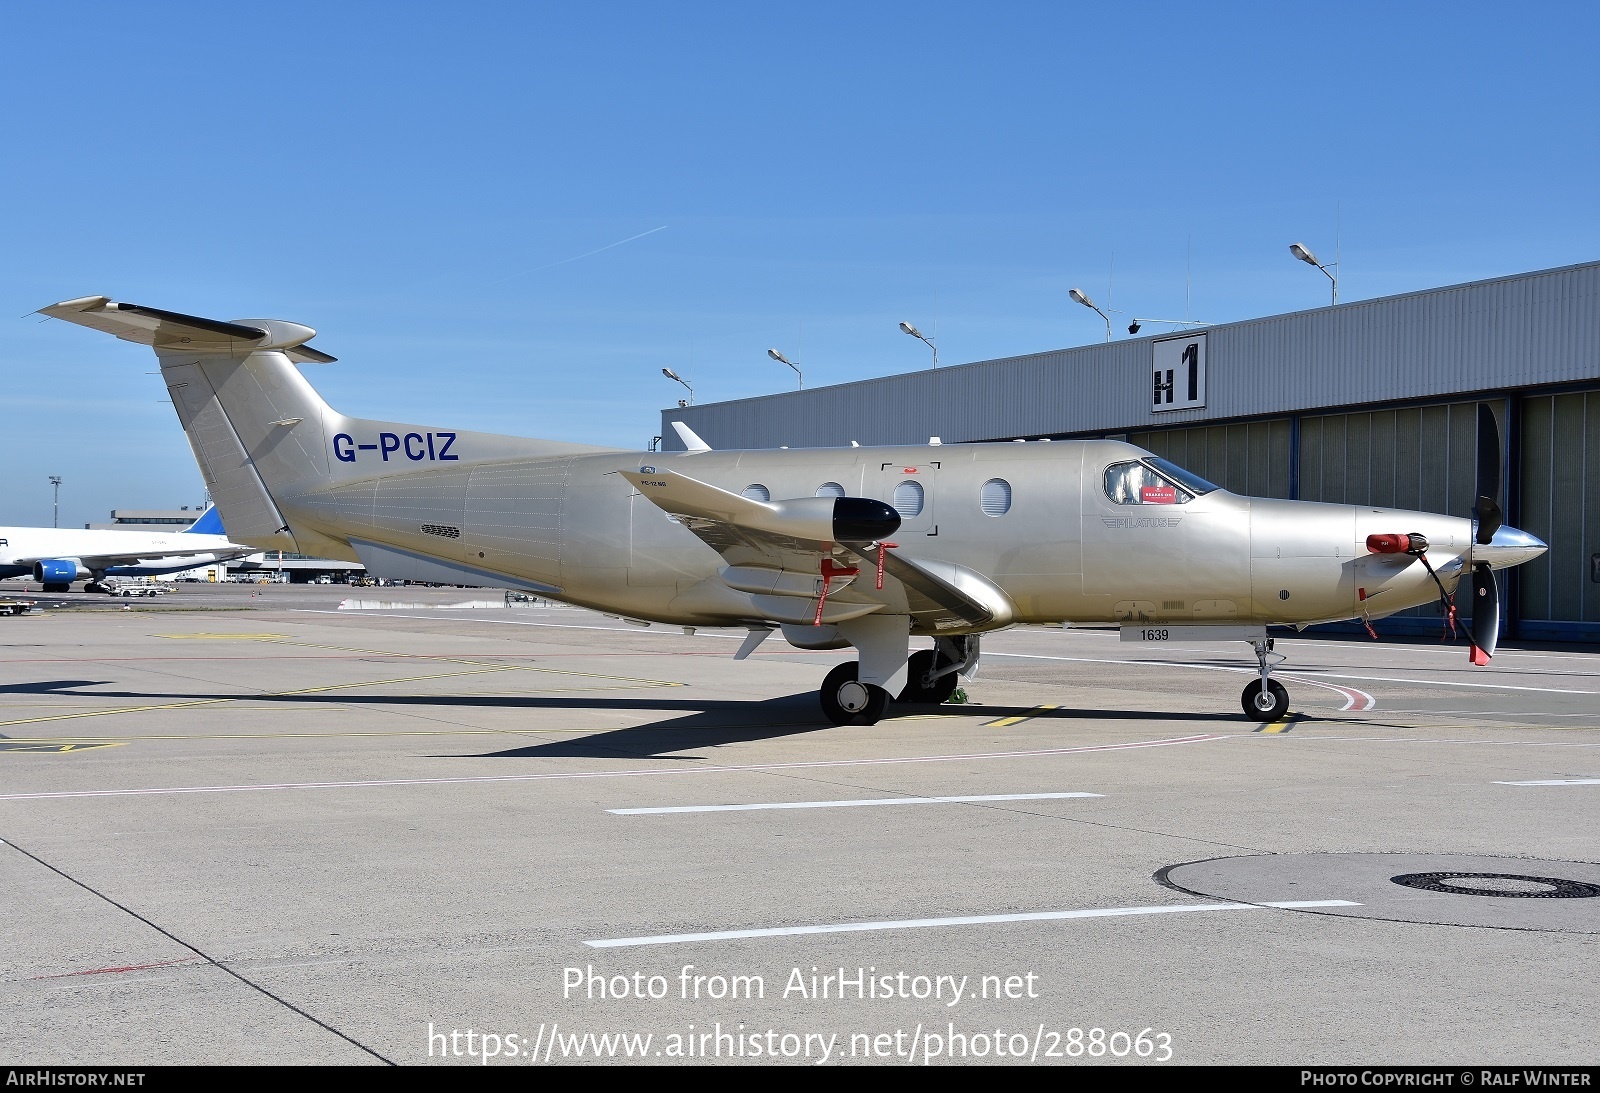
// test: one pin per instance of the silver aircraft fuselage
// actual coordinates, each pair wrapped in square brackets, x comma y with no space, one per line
[1063,551]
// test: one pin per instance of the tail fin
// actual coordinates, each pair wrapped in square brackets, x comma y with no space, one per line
[258,429]
[210,523]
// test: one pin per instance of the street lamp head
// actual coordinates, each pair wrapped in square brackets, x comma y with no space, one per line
[1078,295]
[907,328]
[1133,327]
[779,357]
[671,375]
[1300,252]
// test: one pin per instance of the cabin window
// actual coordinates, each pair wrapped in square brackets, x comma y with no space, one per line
[995,497]
[830,489]
[757,492]
[1140,484]
[908,499]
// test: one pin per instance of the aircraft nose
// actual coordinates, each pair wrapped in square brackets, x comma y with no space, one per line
[1510,546]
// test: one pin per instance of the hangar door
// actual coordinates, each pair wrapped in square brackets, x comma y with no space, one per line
[1250,459]
[1423,458]
[1561,505]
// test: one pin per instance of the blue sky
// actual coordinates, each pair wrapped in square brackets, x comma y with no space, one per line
[415,181]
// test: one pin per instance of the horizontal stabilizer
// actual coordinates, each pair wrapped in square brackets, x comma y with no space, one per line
[176,332]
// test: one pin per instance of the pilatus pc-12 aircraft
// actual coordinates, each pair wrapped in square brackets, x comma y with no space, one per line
[863,546]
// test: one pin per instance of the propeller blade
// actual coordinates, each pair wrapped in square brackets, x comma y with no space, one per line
[1485,614]
[1487,509]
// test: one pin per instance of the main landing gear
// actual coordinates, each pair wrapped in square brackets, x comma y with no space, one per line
[1265,699]
[931,677]
[848,701]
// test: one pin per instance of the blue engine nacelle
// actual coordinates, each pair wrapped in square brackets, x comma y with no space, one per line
[57,574]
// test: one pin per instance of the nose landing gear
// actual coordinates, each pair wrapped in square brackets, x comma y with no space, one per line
[1265,699]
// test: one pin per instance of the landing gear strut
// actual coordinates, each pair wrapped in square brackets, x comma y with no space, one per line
[1265,699]
[932,675]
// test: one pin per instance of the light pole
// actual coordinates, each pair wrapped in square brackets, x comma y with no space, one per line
[781,359]
[1300,251]
[1078,295]
[671,375]
[907,328]
[55,482]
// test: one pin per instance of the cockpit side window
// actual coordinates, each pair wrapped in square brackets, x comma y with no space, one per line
[1134,483]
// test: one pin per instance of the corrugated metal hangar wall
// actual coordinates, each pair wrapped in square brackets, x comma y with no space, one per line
[1370,402]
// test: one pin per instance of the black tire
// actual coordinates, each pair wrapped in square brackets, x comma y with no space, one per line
[1279,696]
[58,588]
[922,662]
[846,701]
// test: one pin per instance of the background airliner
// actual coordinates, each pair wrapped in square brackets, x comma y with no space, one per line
[58,556]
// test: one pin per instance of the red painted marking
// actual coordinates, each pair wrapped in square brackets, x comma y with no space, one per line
[881,548]
[830,570]
[124,968]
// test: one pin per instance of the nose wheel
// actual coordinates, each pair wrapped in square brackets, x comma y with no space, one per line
[1265,703]
[1265,699]
[848,701]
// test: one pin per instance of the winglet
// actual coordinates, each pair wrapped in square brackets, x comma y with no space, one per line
[691,439]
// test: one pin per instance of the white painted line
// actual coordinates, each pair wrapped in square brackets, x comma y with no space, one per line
[850,804]
[487,778]
[962,920]
[669,631]
[1448,683]
[1299,672]
[1556,782]
[1354,699]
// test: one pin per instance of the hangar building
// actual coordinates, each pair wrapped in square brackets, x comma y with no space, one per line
[1370,402]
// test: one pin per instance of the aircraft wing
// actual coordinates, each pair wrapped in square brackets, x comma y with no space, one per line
[792,535]
[104,560]
[782,548]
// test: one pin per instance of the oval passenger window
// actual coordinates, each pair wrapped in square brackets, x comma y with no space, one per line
[995,498]
[757,492]
[830,489]
[908,499]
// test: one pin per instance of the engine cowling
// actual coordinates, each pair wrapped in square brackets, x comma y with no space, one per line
[58,571]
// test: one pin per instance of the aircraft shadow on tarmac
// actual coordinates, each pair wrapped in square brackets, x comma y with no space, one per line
[685,723]
[718,724]
[64,687]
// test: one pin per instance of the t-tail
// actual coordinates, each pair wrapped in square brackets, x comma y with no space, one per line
[259,430]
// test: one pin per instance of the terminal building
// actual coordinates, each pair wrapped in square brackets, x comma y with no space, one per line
[150,519]
[1370,403]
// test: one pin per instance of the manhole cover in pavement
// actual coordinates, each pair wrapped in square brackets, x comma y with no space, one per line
[1512,885]
[1445,889]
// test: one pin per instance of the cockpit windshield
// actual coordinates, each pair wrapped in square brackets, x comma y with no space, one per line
[1153,482]
[1187,479]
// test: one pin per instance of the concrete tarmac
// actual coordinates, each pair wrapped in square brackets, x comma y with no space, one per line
[243,826]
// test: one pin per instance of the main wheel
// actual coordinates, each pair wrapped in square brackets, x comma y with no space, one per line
[848,701]
[921,663]
[1265,707]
